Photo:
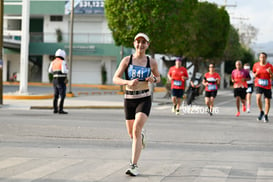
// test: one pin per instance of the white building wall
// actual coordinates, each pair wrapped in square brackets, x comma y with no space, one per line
[110,65]
[5,63]
[14,65]
[50,28]
[86,69]
[45,66]
[91,30]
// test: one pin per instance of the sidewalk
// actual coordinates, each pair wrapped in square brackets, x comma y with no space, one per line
[100,99]
[79,102]
[85,97]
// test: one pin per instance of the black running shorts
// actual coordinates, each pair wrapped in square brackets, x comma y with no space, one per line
[133,106]
[267,92]
[241,92]
[211,93]
[177,93]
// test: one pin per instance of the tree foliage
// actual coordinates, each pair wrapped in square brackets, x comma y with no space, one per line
[233,48]
[207,35]
[209,31]
[248,34]
[236,51]
[198,30]
[157,18]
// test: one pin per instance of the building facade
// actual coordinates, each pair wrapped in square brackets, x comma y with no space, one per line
[49,30]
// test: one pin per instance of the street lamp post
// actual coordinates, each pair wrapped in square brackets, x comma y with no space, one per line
[71,47]
[1,51]
[24,52]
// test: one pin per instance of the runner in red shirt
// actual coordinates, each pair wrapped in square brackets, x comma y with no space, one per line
[263,73]
[178,75]
[239,76]
[211,81]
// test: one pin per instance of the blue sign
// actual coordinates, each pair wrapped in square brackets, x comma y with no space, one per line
[85,7]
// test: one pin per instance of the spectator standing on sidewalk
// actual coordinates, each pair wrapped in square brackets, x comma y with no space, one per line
[177,75]
[239,76]
[139,69]
[211,81]
[58,68]
[263,72]
[250,86]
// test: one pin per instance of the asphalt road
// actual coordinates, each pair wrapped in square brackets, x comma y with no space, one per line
[92,145]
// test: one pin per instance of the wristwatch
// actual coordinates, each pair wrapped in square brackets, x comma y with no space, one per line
[155,79]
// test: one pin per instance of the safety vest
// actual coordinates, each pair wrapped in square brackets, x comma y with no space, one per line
[57,68]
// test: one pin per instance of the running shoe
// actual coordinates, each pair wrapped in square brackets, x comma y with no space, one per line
[248,110]
[208,110]
[132,170]
[143,139]
[266,118]
[260,117]
[174,108]
[238,114]
[177,112]
[244,108]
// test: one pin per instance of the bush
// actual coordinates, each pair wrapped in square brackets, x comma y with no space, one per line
[50,77]
[103,74]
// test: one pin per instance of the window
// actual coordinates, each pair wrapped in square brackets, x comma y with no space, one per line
[56,18]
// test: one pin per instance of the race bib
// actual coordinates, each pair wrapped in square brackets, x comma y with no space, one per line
[138,72]
[263,82]
[177,83]
[212,87]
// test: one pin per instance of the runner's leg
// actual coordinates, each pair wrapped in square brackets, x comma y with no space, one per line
[259,101]
[140,120]
[267,106]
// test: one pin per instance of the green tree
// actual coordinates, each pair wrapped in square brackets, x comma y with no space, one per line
[156,18]
[246,56]
[198,31]
[247,34]
[209,32]
[236,51]
[233,46]
[207,35]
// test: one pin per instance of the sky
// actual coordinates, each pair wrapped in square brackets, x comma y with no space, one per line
[257,13]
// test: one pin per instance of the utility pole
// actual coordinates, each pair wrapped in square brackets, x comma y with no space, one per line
[24,52]
[71,47]
[229,5]
[222,67]
[1,51]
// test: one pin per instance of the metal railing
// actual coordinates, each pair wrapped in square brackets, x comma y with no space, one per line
[53,38]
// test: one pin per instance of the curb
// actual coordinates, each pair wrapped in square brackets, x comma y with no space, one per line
[78,107]
[104,90]
[28,97]
[102,87]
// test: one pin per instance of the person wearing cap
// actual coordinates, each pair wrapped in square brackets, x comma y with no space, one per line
[263,73]
[250,86]
[139,70]
[177,74]
[58,68]
[211,81]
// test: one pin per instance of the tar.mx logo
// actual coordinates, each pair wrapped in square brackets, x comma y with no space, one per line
[198,110]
